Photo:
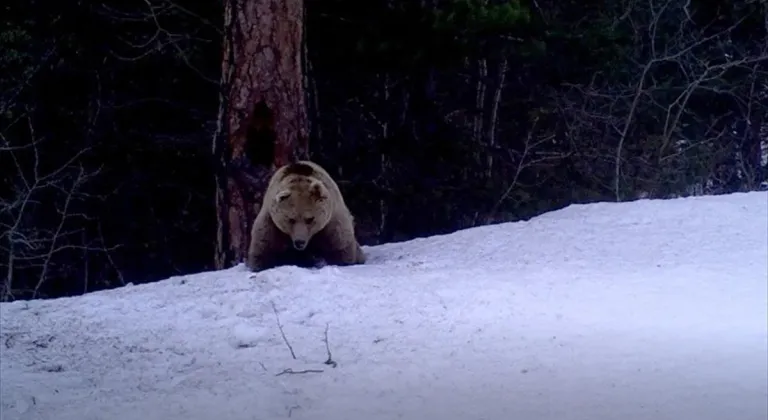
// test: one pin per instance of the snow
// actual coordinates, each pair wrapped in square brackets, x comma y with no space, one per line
[654,309]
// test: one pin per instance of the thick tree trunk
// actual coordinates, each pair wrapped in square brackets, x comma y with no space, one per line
[262,116]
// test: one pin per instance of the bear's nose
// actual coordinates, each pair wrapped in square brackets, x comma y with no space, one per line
[299,244]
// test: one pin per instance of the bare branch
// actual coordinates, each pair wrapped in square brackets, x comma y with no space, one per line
[649,119]
[328,361]
[282,333]
[35,227]
[290,371]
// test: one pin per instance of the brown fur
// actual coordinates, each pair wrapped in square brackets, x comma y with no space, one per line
[303,202]
[300,168]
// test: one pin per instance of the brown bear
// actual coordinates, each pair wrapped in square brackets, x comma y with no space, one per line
[303,221]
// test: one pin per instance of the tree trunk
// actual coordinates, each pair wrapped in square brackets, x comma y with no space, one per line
[492,123]
[262,113]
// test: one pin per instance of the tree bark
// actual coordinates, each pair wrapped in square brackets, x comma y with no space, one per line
[262,113]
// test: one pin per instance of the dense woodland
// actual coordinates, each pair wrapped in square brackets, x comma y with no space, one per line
[433,115]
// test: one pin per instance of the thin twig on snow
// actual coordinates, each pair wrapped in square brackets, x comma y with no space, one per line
[280,326]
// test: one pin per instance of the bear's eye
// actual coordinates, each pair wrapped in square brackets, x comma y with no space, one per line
[309,220]
[291,221]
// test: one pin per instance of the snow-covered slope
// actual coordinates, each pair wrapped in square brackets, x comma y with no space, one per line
[644,310]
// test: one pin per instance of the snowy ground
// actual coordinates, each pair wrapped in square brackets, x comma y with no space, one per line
[645,310]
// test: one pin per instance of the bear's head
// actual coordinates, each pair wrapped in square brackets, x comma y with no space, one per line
[301,207]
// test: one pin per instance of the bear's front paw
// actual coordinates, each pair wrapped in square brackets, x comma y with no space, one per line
[361,257]
[255,266]
[318,262]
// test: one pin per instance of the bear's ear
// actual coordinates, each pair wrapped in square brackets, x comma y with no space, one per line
[282,195]
[317,190]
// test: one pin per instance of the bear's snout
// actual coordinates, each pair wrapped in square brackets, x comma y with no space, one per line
[299,244]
